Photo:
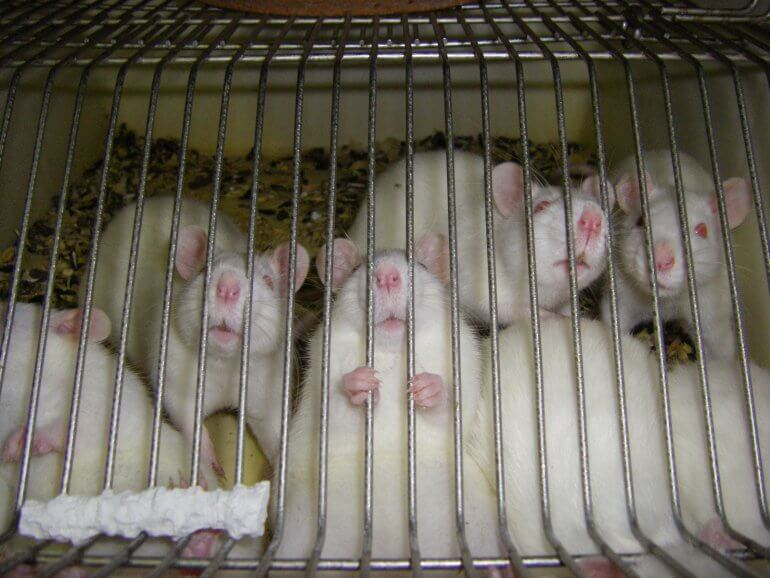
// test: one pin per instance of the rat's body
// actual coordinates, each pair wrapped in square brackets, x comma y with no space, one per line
[634,290]
[430,215]
[646,433]
[134,435]
[349,384]
[227,294]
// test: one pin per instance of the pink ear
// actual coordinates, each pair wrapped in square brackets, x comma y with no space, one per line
[67,322]
[737,201]
[346,258]
[279,261]
[433,251]
[508,188]
[191,251]
[628,192]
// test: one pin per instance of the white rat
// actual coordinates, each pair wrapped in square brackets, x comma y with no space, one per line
[646,433]
[351,381]
[90,451]
[226,297]
[633,278]
[430,215]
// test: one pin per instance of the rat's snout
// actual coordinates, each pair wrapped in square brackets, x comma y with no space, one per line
[590,223]
[388,277]
[664,257]
[228,289]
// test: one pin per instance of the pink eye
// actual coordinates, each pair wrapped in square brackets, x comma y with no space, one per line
[542,206]
[268,280]
[702,230]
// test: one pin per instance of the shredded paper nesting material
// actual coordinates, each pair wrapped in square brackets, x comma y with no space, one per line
[159,512]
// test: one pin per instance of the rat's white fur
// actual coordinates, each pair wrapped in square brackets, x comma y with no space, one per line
[519,420]
[90,450]
[633,277]
[430,215]
[223,359]
[434,430]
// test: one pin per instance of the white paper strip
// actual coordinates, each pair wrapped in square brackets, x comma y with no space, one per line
[158,511]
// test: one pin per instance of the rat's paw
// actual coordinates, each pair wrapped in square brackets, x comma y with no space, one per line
[209,454]
[359,382]
[600,567]
[14,446]
[427,389]
[715,535]
[202,544]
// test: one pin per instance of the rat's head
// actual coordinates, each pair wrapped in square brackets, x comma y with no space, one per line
[390,285]
[64,328]
[228,291]
[548,219]
[668,248]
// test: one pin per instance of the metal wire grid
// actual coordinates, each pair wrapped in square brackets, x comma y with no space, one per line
[44,32]
[69,34]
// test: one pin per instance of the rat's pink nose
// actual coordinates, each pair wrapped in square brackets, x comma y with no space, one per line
[388,277]
[664,257]
[228,288]
[590,223]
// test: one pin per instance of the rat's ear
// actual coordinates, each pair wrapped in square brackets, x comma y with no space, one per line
[628,193]
[508,188]
[191,251]
[591,186]
[737,201]
[433,251]
[346,258]
[67,322]
[279,261]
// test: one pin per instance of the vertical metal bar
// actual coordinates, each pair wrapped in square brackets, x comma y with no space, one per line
[41,347]
[728,563]
[24,225]
[323,443]
[557,30]
[265,562]
[411,441]
[730,258]
[563,554]
[465,554]
[196,35]
[174,235]
[93,255]
[366,553]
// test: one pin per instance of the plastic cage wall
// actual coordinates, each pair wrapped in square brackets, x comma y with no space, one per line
[283,124]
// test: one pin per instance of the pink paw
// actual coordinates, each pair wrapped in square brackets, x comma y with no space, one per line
[202,544]
[45,441]
[427,389]
[714,534]
[600,567]
[359,382]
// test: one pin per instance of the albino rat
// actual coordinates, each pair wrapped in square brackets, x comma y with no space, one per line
[519,420]
[351,381]
[430,215]
[633,278]
[227,293]
[89,458]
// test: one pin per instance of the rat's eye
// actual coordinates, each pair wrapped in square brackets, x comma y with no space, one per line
[702,230]
[268,281]
[640,222]
[542,206]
